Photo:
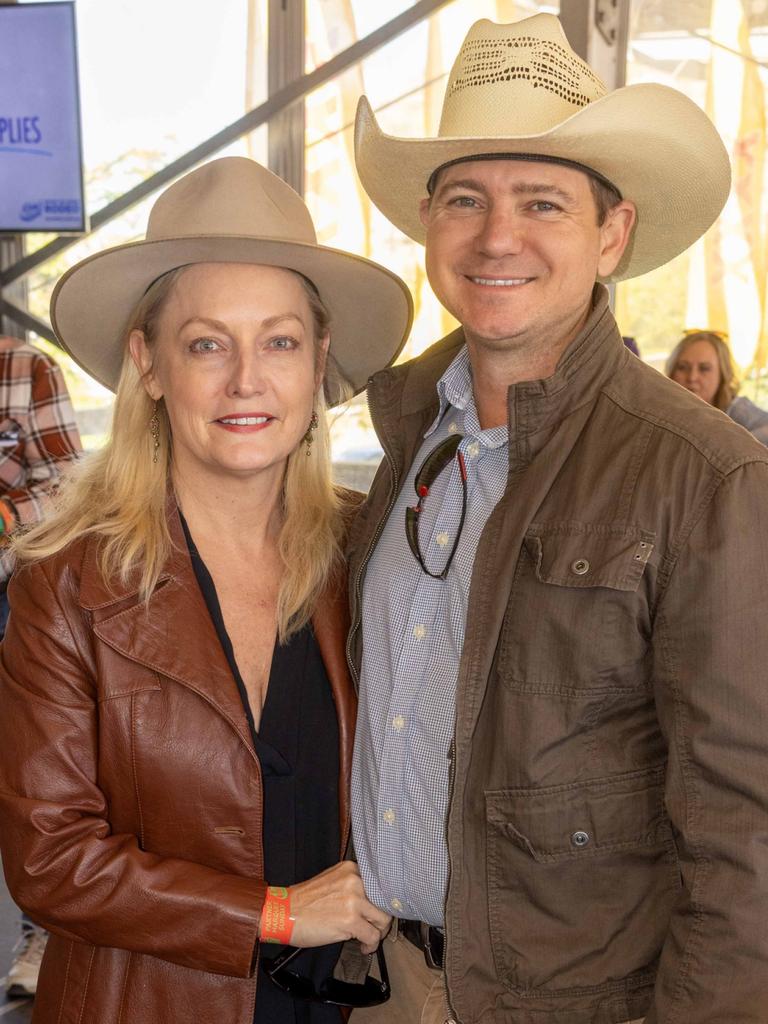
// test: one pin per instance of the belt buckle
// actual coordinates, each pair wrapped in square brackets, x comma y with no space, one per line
[432,955]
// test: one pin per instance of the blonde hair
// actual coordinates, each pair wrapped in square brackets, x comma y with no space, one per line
[729,384]
[120,494]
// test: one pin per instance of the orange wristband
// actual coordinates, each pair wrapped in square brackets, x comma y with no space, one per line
[276,921]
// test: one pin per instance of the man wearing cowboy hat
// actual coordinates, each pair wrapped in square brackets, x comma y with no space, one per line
[558,583]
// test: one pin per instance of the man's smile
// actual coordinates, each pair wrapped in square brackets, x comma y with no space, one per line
[499,282]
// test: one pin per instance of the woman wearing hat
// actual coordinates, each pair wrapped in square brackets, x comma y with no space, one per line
[177,715]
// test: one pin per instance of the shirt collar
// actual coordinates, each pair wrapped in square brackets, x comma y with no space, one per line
[454,390]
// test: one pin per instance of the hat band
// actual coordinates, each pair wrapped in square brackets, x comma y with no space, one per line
[532,158]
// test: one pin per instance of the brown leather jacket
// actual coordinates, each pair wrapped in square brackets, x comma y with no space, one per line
[608,816]
[130,793]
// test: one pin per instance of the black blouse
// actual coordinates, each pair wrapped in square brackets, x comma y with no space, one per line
[298,748]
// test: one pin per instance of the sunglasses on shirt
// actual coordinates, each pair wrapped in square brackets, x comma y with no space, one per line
[332,991]
[430,470]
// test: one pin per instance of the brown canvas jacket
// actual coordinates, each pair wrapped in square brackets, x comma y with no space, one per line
[130,793]
[608,818]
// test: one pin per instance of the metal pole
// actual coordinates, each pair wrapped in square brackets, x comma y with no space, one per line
[26,321]
[286,31]
[598,30]
[11,251]
[576,19]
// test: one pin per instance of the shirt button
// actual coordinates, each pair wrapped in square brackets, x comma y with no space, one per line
[398,722]
[473,449]
[453,429]
[389,816]
[442,539]
[396,904]
[580,566]
[419,631]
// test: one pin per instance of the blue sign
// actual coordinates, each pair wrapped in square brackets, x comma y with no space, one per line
[41,166]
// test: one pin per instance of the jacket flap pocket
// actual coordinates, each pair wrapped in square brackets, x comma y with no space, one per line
[589,555]
[562,822]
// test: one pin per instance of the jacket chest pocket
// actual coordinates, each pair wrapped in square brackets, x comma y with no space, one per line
[578,618]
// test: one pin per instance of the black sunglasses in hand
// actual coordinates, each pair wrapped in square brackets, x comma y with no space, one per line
[332,991]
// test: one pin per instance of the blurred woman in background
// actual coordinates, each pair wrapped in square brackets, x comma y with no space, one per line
[702,362]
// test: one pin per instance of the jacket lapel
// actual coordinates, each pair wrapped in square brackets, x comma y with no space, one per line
[172,634]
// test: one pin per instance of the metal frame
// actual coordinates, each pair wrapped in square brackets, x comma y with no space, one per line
[276,104]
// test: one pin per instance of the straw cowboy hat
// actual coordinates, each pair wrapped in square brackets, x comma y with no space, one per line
[520,89]
[231,210]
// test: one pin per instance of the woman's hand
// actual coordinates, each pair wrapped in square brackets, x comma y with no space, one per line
[331,907]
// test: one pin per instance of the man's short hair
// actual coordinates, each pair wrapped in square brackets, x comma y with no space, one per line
[605,195]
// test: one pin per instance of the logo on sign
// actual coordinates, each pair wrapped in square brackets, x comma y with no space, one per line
[31,211]
[57,210]
[62,207]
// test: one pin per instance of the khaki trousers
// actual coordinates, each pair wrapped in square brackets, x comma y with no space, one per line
[418,993]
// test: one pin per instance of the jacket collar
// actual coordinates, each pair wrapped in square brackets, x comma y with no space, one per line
[586,365]
[149,633]
[535,407]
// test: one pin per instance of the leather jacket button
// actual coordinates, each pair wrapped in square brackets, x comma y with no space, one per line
[580,838]
[580,566]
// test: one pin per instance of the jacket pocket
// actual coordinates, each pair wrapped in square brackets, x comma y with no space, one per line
[578,618]
[582,880]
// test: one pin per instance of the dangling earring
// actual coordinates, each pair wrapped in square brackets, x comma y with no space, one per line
[154,429]
[309,437]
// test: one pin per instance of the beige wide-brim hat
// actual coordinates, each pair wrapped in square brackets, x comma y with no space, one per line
[231,210]
[520,89]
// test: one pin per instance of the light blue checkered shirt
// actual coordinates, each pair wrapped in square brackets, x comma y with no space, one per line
[413,634]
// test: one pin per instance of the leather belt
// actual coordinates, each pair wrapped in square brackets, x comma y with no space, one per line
[426,937]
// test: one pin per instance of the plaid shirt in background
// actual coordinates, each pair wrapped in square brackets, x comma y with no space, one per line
[38,434]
